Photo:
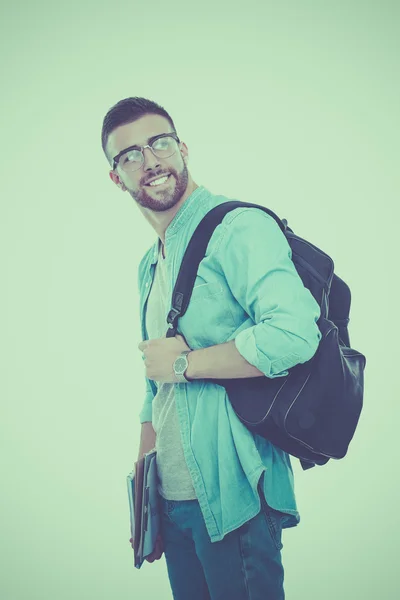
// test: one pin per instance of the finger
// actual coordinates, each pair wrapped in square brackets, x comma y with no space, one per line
[150,558]
[156,554]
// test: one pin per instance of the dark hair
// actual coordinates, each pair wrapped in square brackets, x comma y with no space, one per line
[128,111]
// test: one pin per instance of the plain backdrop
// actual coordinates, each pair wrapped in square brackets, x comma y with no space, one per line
[293,105]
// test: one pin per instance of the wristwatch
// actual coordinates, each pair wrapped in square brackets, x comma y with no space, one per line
[180,366]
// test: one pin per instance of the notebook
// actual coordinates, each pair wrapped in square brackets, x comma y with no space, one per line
[144,506]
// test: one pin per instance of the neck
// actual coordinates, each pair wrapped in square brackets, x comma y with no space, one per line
[161,220]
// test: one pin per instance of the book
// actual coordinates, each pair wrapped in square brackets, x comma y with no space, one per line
[144,506]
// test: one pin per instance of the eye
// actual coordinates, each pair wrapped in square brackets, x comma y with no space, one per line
[130,156]
[160,144]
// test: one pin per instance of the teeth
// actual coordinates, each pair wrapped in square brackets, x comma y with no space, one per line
[159,181]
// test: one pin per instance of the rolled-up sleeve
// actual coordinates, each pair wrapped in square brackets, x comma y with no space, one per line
[255,258]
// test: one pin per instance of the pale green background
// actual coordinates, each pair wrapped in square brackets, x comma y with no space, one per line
[294,105]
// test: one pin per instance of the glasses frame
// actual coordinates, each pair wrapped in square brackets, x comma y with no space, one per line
[141,148]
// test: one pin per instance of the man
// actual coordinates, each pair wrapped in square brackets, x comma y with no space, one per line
[226,494]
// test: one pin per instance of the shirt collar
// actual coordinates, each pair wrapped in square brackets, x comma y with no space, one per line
[182,216]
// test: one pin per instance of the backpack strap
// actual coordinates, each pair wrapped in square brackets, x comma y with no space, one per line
[195,252]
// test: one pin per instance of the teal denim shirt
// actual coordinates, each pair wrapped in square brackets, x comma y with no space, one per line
[248,290]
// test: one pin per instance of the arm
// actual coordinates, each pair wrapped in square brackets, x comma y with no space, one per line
[147,434]
[147,408]
[219,362]
[146,412]
[255,258]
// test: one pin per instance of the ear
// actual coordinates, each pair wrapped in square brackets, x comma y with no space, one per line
[182,148]
[115,179]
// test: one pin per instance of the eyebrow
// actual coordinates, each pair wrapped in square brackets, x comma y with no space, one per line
[137,145]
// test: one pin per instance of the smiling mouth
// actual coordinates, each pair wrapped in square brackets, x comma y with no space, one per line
[160,184]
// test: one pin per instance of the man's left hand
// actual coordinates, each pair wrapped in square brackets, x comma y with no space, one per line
[160,355]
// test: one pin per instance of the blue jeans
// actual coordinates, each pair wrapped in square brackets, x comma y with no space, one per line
[245,565]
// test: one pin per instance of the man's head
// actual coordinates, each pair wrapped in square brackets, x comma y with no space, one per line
[135,122]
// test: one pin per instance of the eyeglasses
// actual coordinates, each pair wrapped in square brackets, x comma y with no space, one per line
[132,158]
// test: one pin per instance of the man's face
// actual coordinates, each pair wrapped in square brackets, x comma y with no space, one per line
[155,198]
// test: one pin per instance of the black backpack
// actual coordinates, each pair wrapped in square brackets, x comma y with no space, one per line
[312,412]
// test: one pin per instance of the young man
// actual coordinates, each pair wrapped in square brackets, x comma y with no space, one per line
[226,493]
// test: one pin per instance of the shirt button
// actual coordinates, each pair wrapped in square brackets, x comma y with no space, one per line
[147,284]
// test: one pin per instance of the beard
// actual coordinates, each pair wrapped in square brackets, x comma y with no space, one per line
[160,200]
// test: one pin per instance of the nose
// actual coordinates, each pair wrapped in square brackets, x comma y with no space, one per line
[150,160]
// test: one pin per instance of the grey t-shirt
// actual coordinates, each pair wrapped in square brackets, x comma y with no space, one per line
[175,482]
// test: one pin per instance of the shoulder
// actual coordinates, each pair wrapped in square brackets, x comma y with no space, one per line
[251,226]
[253,216]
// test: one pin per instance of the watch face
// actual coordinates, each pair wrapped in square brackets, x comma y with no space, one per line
[180,365]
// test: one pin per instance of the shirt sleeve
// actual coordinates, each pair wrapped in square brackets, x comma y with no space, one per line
[256,260]
[147,408]
[146,414]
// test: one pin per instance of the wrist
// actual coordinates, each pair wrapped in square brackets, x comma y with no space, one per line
[190,373]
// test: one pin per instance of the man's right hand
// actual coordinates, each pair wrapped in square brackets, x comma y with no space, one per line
[157,552]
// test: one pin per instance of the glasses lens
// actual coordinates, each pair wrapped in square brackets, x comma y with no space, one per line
[162,147]
[131,160]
